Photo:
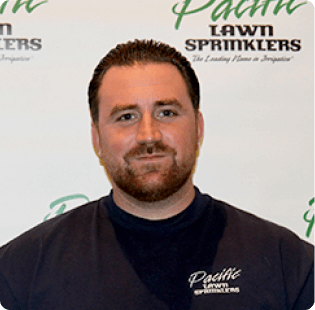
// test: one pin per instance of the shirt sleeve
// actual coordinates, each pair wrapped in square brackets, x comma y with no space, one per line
[16,261]
[298,272]
[7,299]
[306,297]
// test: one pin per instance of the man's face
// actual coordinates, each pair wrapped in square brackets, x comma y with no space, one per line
[148,132]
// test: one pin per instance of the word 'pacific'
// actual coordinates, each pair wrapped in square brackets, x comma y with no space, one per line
[226,274]
[225,8]
[29,6]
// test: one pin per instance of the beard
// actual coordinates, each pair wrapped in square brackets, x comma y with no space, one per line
[138,181]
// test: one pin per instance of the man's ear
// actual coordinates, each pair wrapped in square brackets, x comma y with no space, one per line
[96,138]
[200,127]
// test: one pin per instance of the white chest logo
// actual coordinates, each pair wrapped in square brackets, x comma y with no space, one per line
[218,283]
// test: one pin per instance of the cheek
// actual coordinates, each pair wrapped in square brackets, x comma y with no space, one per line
[115,145]
[183,140]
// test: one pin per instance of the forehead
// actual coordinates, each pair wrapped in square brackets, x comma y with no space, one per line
[142,82]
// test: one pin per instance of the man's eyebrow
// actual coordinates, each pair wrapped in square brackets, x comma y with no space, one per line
[159,103]
[171,102]
[120,108]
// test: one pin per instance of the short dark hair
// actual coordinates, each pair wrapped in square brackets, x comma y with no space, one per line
[142,51]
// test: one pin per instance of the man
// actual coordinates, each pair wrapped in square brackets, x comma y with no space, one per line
[155,242]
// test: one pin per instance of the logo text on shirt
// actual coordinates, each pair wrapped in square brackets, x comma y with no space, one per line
[216,283]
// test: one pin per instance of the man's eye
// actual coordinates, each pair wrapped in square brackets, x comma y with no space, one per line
[167,113]
[126,117]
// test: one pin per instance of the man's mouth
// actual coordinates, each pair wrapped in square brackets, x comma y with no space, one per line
[149,153]
[149,159]
[150,156]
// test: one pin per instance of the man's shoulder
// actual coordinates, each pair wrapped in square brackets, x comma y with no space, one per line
[243,224]
[270,259]
[64,225]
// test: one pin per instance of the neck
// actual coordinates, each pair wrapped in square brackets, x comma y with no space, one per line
[157,210]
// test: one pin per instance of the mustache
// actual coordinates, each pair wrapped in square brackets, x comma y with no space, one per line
[146,149]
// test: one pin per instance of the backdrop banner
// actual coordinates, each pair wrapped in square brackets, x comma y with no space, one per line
[255,63]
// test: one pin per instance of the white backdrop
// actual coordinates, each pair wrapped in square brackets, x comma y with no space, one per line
[258,149]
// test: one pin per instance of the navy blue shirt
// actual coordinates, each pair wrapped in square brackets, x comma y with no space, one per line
[210,256]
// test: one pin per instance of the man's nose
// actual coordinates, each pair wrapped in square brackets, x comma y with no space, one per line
[148,132]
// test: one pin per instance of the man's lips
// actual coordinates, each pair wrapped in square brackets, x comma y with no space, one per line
[149,157]
[157,152]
